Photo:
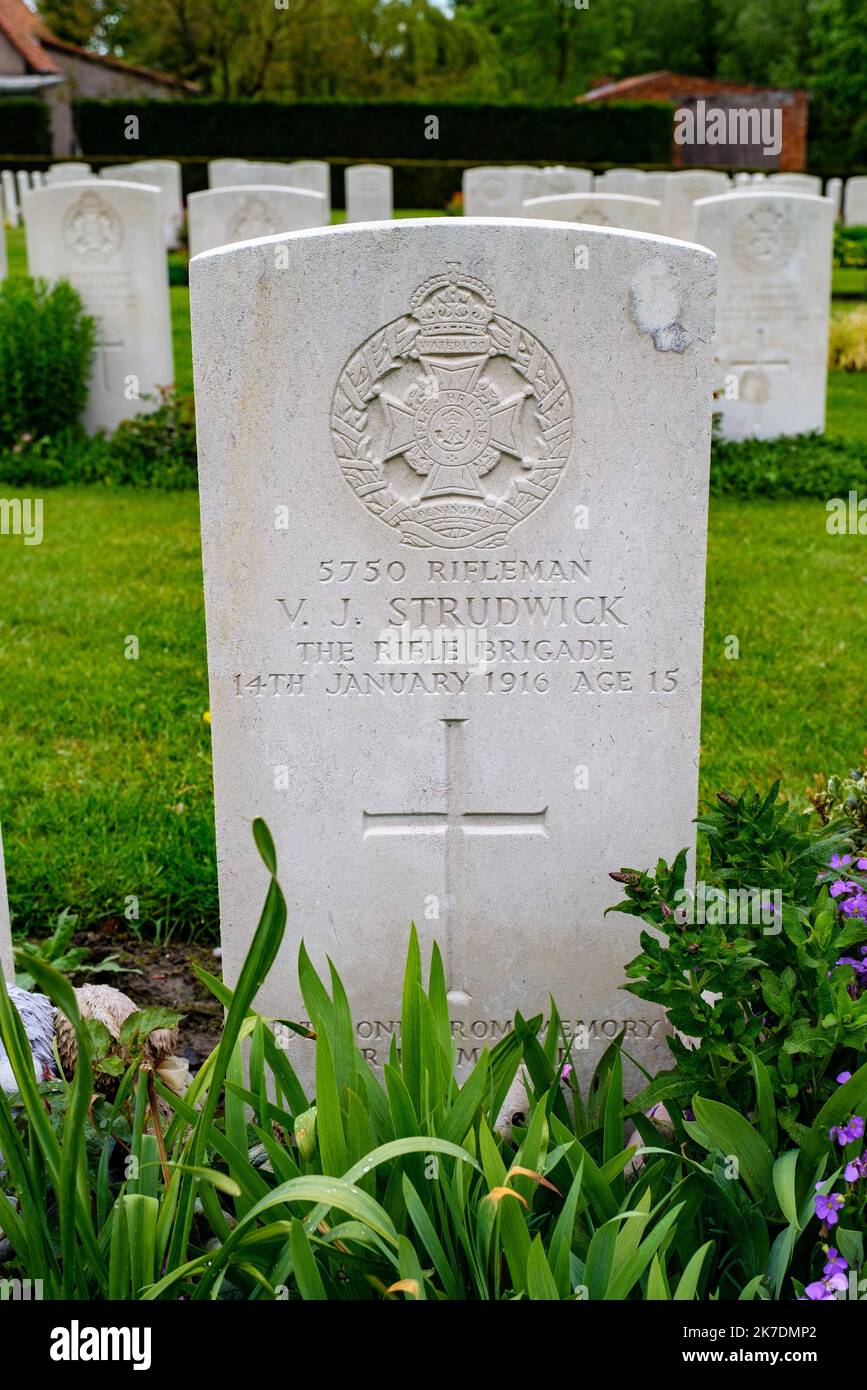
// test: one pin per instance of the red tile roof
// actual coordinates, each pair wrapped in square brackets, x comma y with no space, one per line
[25,31]
[32,40]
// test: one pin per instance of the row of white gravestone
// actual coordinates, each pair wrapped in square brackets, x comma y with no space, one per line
[505,191]
[107,239]
[369,187]
[492,444]
[225,214]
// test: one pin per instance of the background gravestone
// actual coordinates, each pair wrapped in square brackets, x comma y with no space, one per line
[497,191]
[107,239]
[164,174]
[810,184]
[774,254]
[834,191]
[314,174]
[558,179]
[631,182]
[683,189]
[369,196]
[72,171]
[10,197]
[7,968]
[599,209]
[454,694]
[219,216]
[225,173]
[856,201]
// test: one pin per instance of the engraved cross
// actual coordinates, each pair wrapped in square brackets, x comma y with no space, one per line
[467,824]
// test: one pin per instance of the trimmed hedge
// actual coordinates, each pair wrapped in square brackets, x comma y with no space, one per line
[803,465]
[637,132]
[25,126]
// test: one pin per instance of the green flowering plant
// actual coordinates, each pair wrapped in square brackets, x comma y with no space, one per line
[844,797]
[766,982]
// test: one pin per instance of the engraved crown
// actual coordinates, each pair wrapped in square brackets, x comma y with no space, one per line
[453,303]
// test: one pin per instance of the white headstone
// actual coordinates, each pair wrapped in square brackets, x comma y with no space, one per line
[37,179]
[599,209]
[447,427]
[231,173]
[557,178]
[220,216]
[369,196]
[684,188]
[7,965]
[314,174]
[743,179]
[107,240]
[855,202]
[834,191]
[497,190]
[10,197]
[22,183]
[165,174]
[810,184]
[774,252]
[630,182]
[224,173]
[72,171]
[656,185]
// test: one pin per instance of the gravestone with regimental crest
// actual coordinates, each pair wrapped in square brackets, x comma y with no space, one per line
[453,488]
[774,253]
[106,239]
[220,216]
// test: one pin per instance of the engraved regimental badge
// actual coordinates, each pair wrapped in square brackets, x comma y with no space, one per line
[92,229]
[765,239]
[252,219]
[452,424]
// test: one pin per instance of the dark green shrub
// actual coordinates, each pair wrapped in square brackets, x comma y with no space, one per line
[802,465]
[148,451]
[637,132]
[157,450]
[850,247]
[46,346]
[25,126]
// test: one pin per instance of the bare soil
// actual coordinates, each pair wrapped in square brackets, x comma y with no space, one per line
[164,978]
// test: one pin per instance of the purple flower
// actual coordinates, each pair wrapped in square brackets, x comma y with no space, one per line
[841,886]
[847,1134]
[861,864]
[844,1075]
[836,1264]
[828,1206]
[839,861]
[856,1169]
[819,1292]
